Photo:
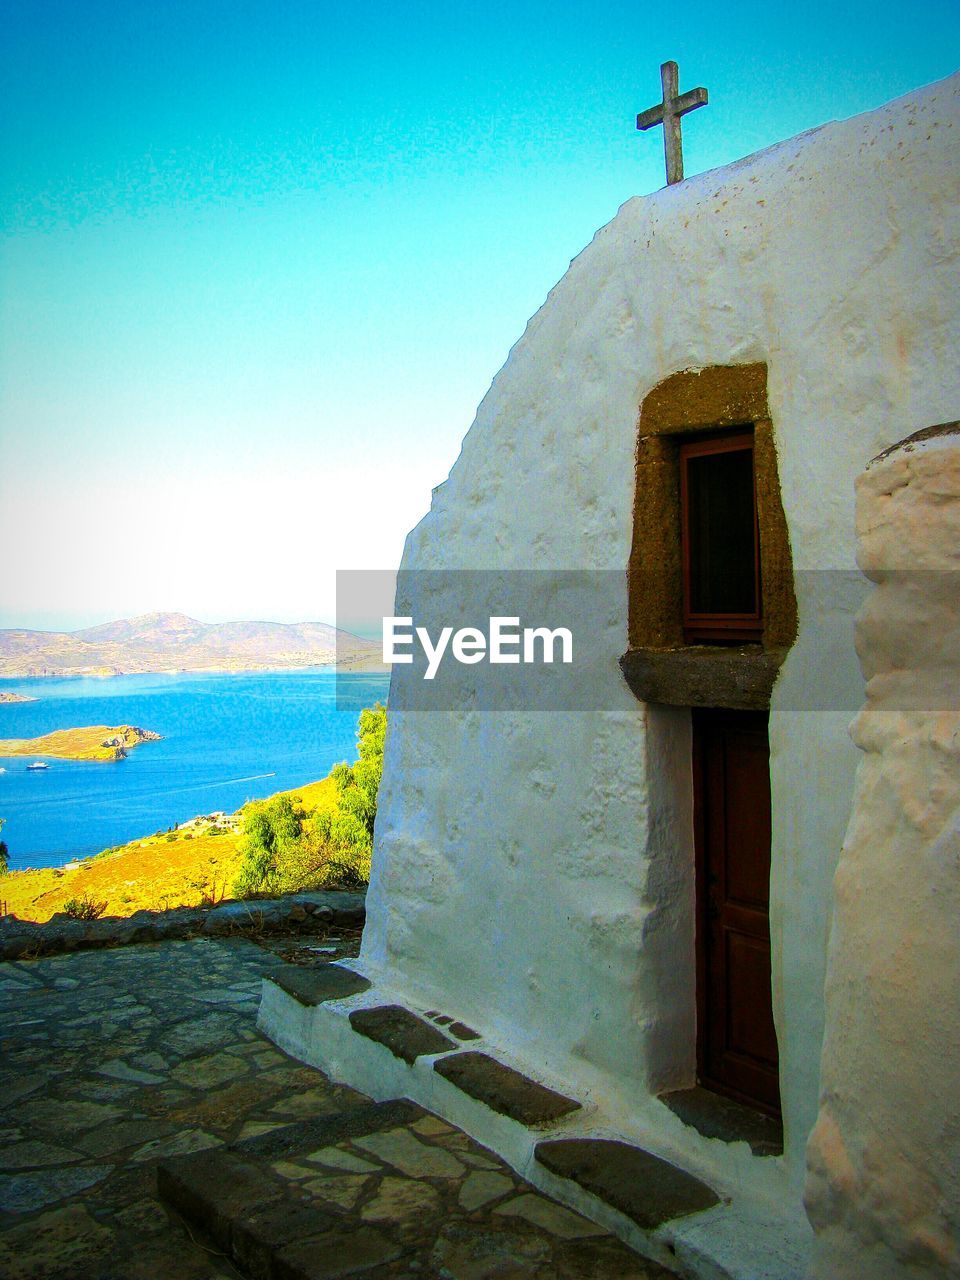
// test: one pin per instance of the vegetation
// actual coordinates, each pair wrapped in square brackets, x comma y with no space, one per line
[272,846]
[285,847]
[4,853]
[84,908]
[209,884]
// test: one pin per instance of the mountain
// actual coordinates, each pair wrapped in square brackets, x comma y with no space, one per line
[174,642]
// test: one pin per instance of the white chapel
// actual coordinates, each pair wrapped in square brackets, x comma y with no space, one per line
[684,948]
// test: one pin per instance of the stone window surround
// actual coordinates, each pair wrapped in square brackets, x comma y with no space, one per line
[658,665]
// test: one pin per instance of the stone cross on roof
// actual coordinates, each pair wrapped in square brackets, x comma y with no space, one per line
[668,113]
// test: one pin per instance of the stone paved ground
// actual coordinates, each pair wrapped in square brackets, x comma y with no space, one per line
[113,1060]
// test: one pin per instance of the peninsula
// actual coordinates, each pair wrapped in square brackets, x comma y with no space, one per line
[7,696]
[92,742]
[172,642]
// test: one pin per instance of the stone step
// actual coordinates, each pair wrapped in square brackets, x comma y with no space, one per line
[313,984]
[716,1117]
[402,1032]
[385,1191]
[261,1219]
[504,1090]
[329,1129]
[644,1188]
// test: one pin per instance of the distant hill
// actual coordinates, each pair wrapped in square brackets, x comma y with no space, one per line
[173,642]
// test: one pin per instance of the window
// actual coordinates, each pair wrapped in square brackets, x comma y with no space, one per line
[707,476]
[720,542]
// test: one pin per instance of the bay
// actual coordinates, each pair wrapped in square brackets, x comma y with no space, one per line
[226,739]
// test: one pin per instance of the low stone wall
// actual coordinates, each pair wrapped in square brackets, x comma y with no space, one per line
[293,913]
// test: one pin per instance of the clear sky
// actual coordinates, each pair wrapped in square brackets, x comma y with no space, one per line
[261,259]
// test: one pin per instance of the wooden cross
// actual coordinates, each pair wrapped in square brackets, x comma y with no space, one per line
[668,113]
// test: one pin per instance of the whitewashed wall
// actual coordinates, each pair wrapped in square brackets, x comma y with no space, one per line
[533,871]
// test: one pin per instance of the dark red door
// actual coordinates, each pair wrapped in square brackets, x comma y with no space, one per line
[736,1041]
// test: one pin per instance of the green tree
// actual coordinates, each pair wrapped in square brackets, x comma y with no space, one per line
[283,848]
[272,834]
[347,832]
[358,784]
[4,853]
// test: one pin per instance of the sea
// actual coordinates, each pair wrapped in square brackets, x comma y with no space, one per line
[226,739]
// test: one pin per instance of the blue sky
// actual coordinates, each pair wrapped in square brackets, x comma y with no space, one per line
[261,261]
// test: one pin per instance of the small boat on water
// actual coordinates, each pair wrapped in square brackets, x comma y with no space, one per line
[37,764]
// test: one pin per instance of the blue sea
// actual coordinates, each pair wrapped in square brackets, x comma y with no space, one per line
[226,739]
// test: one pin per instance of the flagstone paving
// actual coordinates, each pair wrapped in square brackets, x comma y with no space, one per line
[115,1062]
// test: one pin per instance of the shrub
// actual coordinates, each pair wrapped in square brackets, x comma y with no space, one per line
[343,838]
[84,908]
[272,832]
[285,849]
[209,885]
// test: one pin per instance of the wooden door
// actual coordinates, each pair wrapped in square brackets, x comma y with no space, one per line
[736,1040]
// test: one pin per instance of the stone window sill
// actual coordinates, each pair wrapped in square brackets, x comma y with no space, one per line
[737,676]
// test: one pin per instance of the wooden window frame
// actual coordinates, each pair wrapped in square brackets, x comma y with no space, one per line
[719,627]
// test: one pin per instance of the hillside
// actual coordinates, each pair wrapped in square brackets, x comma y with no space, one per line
[196,863]
[158,642]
